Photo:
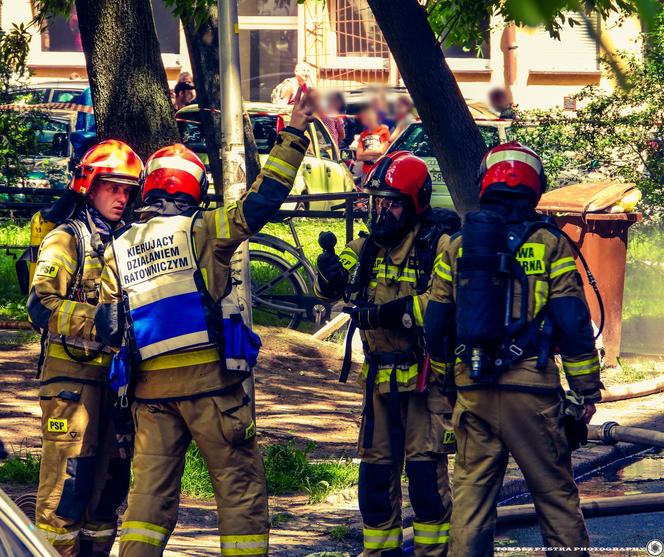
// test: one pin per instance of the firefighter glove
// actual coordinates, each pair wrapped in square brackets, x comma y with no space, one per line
[391,315]
[331,274]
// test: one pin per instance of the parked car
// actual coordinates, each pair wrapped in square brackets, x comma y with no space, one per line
[322,170]
[18,536]
[50,91]
[47,161]
[416,140]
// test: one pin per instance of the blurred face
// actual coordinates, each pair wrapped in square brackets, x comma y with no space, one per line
[110,198]
[498,100]
[334,103]
[369,118]
[402,108]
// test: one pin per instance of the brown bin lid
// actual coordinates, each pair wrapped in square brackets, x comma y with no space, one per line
[584,198]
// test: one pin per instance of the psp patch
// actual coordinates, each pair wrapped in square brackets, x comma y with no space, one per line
[55,425]
[47,270]
[448,438]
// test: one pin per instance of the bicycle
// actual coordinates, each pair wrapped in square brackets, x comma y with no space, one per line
[282,282]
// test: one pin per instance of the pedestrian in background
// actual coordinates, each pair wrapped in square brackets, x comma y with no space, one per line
[185,94]
[374,139]
[404,115]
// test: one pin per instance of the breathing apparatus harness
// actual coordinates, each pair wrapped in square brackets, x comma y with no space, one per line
[489,339]
[75,291]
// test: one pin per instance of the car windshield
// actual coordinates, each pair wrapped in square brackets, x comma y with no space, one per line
[27,96]
[416,140]
[52,138]
[265,132]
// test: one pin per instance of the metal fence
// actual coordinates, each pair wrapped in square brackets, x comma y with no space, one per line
[346,209]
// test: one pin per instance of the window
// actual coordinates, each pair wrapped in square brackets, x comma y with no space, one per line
[51,138]
[577,49]
[268,45]
[62,35]
[415,140]
[191,135]
[357,32]
[278,8]
[168,28]
[267,57]
[483,52]
[473,57]
[325,143]
[265,132]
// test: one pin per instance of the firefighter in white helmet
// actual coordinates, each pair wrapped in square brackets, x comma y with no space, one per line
[161,291]
[83,477]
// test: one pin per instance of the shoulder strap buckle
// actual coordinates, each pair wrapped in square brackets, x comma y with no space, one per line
[516,351]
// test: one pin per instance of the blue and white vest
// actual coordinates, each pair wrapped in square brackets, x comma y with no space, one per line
[160,278]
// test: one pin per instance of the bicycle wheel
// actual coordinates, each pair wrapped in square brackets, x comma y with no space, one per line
[272,277]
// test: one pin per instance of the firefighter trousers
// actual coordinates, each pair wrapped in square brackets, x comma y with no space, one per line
[422,421]
[224,431]
[82,479]
[489,425]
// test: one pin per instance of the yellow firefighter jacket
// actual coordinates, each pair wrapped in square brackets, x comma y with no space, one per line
[215,235]
[394,275]
[62,301]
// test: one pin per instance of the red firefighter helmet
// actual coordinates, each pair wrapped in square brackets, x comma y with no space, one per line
[111,159]
[175,169]
[401,174]
[512,167]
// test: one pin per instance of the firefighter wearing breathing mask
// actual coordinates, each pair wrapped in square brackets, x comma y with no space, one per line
[83,477]
[161,297]
[506,296]
[385,276]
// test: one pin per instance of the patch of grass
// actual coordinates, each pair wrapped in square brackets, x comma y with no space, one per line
[280,518]
[644,296]
[308,231]
[632,370]
[12,302]
[339,533]
[19,338]
[196,480]
[21,468]
[288,470]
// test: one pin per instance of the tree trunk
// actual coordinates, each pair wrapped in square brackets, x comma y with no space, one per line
[203,45]
[127,76]
[455,139]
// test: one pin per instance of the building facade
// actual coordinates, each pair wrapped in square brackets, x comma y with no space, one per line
[342,42]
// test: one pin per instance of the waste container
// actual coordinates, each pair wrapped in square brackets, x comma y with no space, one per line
[597,216]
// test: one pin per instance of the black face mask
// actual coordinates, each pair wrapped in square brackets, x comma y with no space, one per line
[387,230]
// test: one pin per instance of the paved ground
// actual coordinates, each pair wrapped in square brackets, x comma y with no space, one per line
[298,397]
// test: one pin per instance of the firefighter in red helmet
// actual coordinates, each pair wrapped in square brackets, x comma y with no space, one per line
[83,477]
[385,276]
[505,298]
[161,291]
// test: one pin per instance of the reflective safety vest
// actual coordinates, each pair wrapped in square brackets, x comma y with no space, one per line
[167,304]
[163,287]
